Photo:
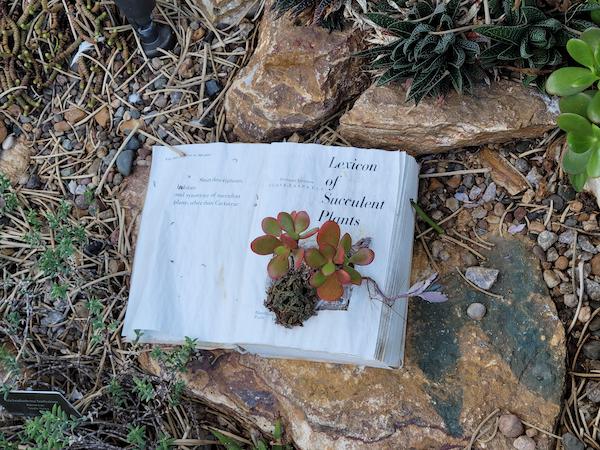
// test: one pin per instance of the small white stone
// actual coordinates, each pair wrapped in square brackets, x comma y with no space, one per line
[8,142]
[524,443]
[482,277]
[510,425]
[476,311]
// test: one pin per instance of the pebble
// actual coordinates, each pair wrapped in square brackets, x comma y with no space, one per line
[586,245]
[134,98]
[479,213]
[551,255]
[592,391]
[212,88]
[92,248]
[489,194]
[561,263]
[551,278]
[476,311]
[117,179]
[536,227]
[452,204]
[67,144]
[161,101]
[510,425]
[8,143]
[592,288]
[547,239]
[125,162]
[558,203]
[591,350]
[133,144]
[595,324]
[53,317]
[524,443]
[567,237]
[81,202]
[474,193]
[537,251]
[576,206]
[528,196]
[584,314]
[499,209]
[482,277]
[570,442]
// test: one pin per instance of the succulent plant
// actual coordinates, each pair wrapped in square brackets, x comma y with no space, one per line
[281,240]
[528,39]
[327,13]
[429,50]
[334,262]
[580,107]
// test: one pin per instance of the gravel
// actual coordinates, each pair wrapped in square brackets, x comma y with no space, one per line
[482,277]
[591,350]
[570,442]
[524,443]
[476,311]
[547,239]
[125,162]
[510,425]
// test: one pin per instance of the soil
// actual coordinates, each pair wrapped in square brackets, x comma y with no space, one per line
[292,299]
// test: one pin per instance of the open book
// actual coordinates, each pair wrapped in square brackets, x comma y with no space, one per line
[194,274]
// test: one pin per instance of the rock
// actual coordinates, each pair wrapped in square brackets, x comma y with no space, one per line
[551,254]
[476,311]
[212,88]
[133,144]
[227,12]
[51,318]
[452,204]
[551,278]
[592,288]
[93,247]
[297,77]
[562,262]
[62,126]
[570,300]
[596,265]
[592,391]
[558,203]
[510,425]
[524,443]
[125,162]
[489,194]
[591,350]
[8,142]
[570,442]
[503,112]
[14,160]
[586,245]
[456,371]
[502,172]
[584,314]
[3,131]
[74,115]
[567,237]
[547,239]
[482,277]
[132,197]
[102,117]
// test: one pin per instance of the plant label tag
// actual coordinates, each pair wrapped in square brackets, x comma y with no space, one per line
[33,403]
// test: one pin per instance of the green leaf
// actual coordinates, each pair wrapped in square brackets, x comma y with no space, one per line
[314,258]
[226,441]
[574,163]
[581,52]
[576,103]
[265,245]
[569,80]
[328,268]
[581,144]
[271,226]
[591,37]
[301,221]
[286,222]
[362,257]
[329,234]
[317,279]
[593,109]
[595,15]
[278,266]
[346,242]
[355,276]
[578,181]
[574,123]
[593,166]
[331,290]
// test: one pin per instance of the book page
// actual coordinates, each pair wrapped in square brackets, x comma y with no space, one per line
[193,237]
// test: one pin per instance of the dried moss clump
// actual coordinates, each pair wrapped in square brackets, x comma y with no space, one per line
[292,299]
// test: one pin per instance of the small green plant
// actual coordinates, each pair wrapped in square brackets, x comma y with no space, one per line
[8,199]
[143,389]
[281,240]
[115,390]
[165,442]
[231,444]
[8,362]
[177,359]
[50,431]
[137,436]
[326,13]
[5,444]
[96,310]
[580,107]
[176,392]
[429,49]
[334,262]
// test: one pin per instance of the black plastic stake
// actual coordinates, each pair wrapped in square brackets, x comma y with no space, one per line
[152,36]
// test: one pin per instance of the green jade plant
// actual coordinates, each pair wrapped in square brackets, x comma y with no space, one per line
[580,107]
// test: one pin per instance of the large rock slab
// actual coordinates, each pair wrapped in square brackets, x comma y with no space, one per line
[297,77]
[14,161]
[456,372]
[502,112]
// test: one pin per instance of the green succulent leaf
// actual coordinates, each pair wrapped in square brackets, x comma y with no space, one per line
[331,289]
[278,266]
[314,258]
[265,245]
[362,257]
[593,166]
[286,222]
[574,123]
[591,36]
[271,226]
[317,279]
[576,103]
[574,163]
[328,268]
[346,242]
[581,144]
[301,221]
[593,109]
[595,15]
[355,276]
[570,80]
[581,52]
[578,181]
[329,234]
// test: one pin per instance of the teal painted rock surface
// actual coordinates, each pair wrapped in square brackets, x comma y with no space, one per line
[457,371]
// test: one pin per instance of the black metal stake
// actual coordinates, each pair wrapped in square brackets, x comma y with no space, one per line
[152,36]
